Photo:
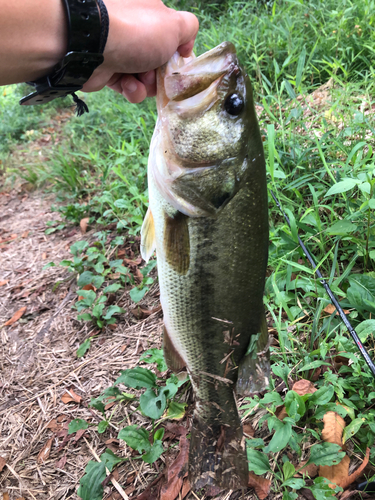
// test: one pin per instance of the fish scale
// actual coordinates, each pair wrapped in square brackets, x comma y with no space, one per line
[208,221]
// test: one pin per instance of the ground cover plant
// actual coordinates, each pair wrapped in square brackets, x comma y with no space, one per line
[311,64]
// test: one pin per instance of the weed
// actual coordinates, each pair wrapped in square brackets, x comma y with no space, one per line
[155,401]
[94,269]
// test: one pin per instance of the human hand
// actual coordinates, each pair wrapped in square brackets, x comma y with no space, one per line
[143,35]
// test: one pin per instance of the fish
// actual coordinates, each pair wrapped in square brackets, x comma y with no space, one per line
[208,222]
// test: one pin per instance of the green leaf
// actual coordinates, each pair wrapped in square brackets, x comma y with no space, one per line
[365,329]
[321,396]
[66,263]
[288,470]
[326,454]
[50,264]
[175,411]
[272,397]
[98,310]
[102,426]
[361,293]
[154,453]
[136,437]
[148,267]
[255,443]
[89,278]
[300,68]
[78,247]
[84,347]
[312,365]
[113,310]
[293,397]
[342,227]
[153,405]
[110,459]
[88,295]
[281,437]
[289,495]
[137,294]
[321,489]
[281,370]
[352,429]
[257,460]
[155,356]
[159,434]
[169,390]
[98,405]
[323,409]
[112,288]
[84,317]
[294,483]
[91,483]
[342,187]
[137,378]
[76,425]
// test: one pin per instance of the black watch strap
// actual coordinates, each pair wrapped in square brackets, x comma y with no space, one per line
[88,25]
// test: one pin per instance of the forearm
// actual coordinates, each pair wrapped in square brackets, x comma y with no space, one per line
[33,38]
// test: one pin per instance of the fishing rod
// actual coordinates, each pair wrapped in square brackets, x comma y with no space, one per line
[334,301]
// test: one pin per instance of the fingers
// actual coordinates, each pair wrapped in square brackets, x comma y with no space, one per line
[189,26]
[133,89]
[186,49]
[149,81]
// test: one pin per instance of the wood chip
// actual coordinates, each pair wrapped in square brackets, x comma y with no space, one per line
[16,316]
[45,451]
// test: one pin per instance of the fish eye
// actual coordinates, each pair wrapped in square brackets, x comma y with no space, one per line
[234,104]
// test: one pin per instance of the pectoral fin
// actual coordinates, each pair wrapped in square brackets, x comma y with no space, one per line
[172,357]
[177,243]
[148,242]
[254,368]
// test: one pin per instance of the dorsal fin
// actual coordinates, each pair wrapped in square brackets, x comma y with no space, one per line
[148,240]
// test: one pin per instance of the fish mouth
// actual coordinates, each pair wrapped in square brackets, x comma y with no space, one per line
[185,78]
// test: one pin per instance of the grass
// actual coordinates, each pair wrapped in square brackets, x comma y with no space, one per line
[319,152]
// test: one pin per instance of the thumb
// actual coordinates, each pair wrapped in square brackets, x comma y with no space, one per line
[189,25]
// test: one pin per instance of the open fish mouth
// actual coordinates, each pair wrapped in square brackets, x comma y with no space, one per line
[187,77]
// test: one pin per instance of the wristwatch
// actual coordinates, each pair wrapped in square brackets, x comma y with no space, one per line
[88,26]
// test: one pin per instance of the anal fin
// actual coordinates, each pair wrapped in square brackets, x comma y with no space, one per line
[254,368]
[148,240]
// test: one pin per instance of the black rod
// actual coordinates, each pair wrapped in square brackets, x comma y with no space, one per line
[335,302]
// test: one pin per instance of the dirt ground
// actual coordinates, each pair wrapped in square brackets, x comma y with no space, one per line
[39,363]
[43,385]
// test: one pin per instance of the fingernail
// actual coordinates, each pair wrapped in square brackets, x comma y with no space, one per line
[149,77]
[130,86]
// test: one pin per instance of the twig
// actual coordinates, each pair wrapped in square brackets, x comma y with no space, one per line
[114,482]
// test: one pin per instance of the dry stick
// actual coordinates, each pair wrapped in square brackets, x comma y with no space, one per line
[114,482]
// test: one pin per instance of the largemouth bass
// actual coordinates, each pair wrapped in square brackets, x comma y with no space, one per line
[208,221]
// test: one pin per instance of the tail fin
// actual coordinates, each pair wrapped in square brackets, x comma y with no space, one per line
[254,369]
[217,455]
